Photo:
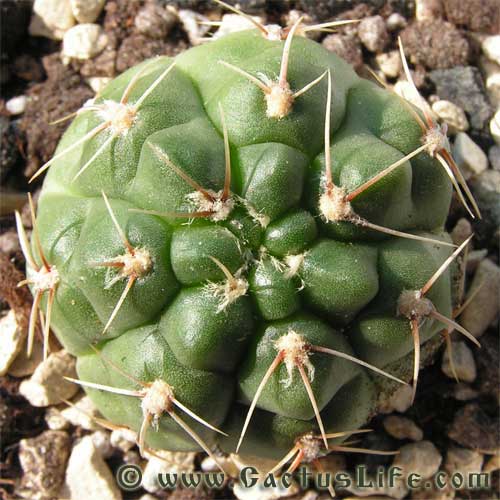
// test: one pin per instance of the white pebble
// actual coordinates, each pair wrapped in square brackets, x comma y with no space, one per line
[87,11]
[51,18]
[399,401]
[495,127]
[463,361]
[395,22]
[83,42]
[469,156]
[402,428]
[451,114]
[491,48]
[169,463]
[124,439]
[191,22]
[231,23]
[389,63]
[16,105]
[102,443]
[428,10]
[47,386]
[80,415]
[422,458]
[88,475]
[12,336]
[98,83]
[55,421]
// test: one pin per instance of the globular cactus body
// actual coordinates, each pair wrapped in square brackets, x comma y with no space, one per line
[211,264]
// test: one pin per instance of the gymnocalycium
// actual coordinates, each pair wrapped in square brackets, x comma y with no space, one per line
[242,245]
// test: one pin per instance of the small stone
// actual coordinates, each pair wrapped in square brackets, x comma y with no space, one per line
[473,428]
[169,463]
[16,105]
[232,23]
[452,115]
[435,44]
[463,361]
[155,21]
[87,11]
[345,46]
[402,428]
[463,461]
[399,401]
[88,475]
[84,41]
[395,22]
[209,465]
[405,89]
[428,10]
[23,366]
[192,24]
[495,127]
[147,496]
[12,336]
[469,156]
[491,48]
[47,386]
[464,87]
[51,18]
[373,33]
[461,231]
[82,414]
[98,83]
[43,460]
[102,443]
[484,307]
[422,458]
[463,392]
[389,63]
[124,439]
[55,421]
[494,157]
[491,72]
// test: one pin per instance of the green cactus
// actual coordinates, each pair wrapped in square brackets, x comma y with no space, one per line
[234,244]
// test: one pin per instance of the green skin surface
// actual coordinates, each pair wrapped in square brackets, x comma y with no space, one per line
[344,295]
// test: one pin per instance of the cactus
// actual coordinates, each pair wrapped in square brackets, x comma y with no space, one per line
[243,245]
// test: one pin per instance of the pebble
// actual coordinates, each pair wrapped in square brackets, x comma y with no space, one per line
[231,23]
[491,73]
[16,105]
[102,443]
[463,392]
[84,41]
[494,157]
[463,360]
[469,156]
[402,428]
[485,306]
[87,11]
[463,461]
[389,63]
[88,475]
[395,22]
[435,44]
[155,21]
[473,428]
[22,366]
[46,386]
[191,22]
[209,465]
[124,439]
[98,83]
[345,46]
[495,127]
[373,33]
[464,87]
[405,89]
[82,414]
[51,18]
[55,421]
[399,401]
[421,458]
[453,115]
[43,459]
[169,463]
[461,231]
[12,336]
[427,10]
[491,48]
